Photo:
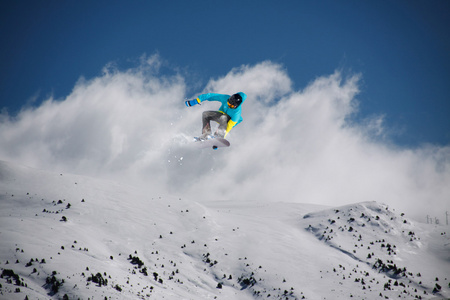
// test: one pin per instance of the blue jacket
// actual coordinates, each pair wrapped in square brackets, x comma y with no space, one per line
[234,113]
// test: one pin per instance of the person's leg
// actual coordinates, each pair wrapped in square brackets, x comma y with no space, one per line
[223,122]
[207,116]
[218,117]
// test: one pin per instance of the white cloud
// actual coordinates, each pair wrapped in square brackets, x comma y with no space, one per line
[300,146]
[262,82]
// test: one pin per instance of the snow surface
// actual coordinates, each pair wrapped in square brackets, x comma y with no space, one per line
[74,237]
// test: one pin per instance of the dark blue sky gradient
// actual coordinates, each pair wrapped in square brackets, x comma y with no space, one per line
[401,48]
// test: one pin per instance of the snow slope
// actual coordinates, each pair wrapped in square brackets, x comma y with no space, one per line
[64,236]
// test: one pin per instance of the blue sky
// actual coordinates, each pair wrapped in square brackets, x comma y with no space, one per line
[401,49]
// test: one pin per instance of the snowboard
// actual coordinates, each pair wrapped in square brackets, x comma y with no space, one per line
[214,143]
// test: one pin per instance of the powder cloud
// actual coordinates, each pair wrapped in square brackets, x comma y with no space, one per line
[297,146]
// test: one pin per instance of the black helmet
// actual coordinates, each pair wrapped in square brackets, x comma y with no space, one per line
[234,100]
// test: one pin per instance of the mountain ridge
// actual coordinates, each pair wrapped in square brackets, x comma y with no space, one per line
[67,236]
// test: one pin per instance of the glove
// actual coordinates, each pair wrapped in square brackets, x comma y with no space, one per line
[190,103]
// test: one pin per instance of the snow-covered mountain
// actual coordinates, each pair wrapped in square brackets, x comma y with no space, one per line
[64,236]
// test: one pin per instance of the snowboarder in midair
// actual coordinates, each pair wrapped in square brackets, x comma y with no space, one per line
[228,115]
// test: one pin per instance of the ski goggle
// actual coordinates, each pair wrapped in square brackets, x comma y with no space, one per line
[231,105]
